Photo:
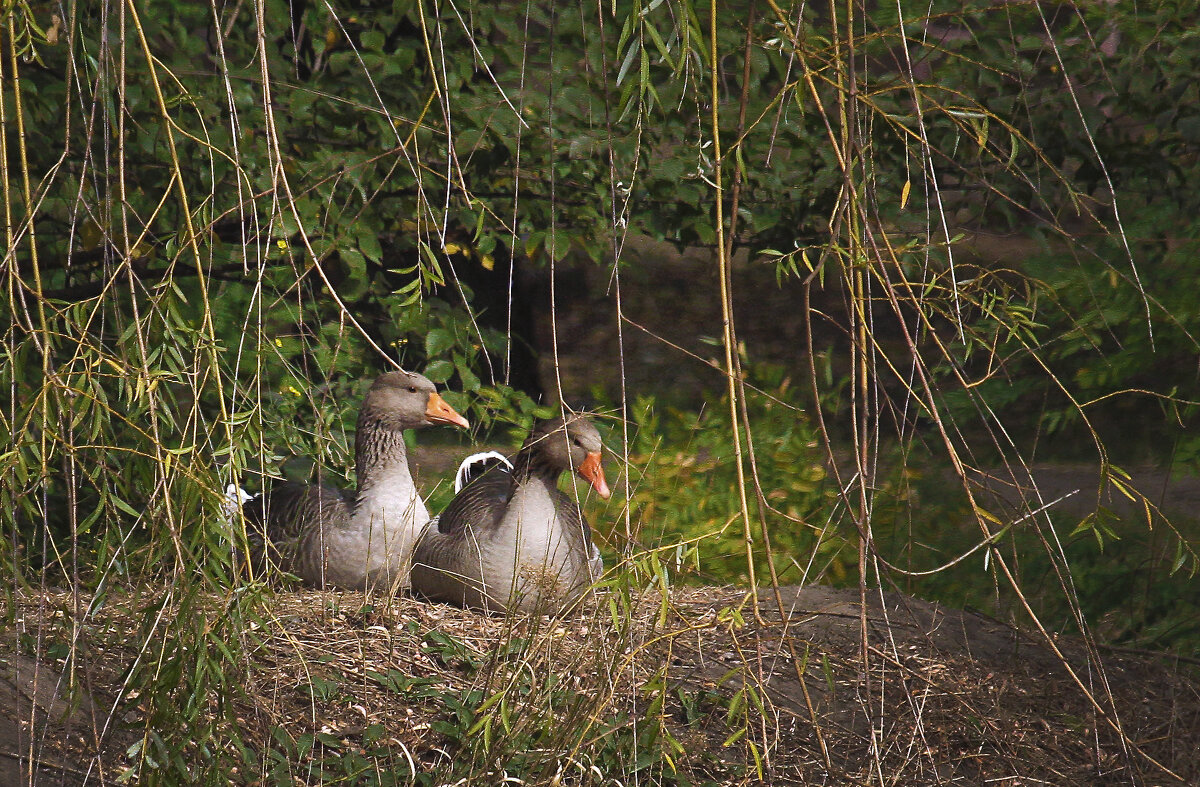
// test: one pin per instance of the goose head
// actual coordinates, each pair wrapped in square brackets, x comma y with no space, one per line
[407,400]
[571,443]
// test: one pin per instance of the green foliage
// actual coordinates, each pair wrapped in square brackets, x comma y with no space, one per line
[187,688]
[1129,577]
[365,758]
[685,489]
[1099,360]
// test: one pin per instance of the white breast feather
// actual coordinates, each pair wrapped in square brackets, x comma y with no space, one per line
[378,544]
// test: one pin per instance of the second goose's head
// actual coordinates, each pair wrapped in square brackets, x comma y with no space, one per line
[407,400]
[571,443]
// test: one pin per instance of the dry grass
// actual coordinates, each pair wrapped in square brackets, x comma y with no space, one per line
[692,691]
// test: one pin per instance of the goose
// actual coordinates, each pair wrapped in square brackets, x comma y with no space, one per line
[363,538]
[511,540]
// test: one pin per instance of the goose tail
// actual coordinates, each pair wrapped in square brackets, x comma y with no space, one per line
[235,498]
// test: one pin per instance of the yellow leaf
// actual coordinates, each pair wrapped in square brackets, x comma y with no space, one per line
[904,193]
[53,30]
[488,262]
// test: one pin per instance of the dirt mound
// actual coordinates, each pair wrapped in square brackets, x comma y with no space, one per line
[703,685]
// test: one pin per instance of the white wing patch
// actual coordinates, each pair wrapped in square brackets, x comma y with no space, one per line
[475,464]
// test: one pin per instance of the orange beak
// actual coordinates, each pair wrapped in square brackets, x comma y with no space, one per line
[593,473]
[439,412]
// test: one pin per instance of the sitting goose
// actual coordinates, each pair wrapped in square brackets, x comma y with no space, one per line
[334,538]
[511,540]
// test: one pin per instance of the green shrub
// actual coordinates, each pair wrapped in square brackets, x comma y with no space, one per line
[684,489]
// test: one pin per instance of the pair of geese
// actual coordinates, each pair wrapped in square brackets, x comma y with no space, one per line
[509,540]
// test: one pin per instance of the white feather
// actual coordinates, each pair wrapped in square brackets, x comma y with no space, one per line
[481,459]
[235,498]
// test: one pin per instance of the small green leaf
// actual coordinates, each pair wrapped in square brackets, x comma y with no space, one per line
[437,342]
[368,244]
[372,40]
[470,382]
[456,400]
[439,371]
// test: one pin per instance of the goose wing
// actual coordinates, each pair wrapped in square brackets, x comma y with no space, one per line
[481,503]
[277,522]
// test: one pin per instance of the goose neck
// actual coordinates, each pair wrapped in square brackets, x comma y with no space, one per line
[532,464]
[379,454]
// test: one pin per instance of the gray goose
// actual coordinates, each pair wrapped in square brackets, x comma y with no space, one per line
[354,539]
[511,540]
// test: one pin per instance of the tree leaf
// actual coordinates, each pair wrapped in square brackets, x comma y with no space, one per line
[437,342]
[439,371]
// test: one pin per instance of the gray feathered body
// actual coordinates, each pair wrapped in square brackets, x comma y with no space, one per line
[334,538]
[280,535]
[509,541]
